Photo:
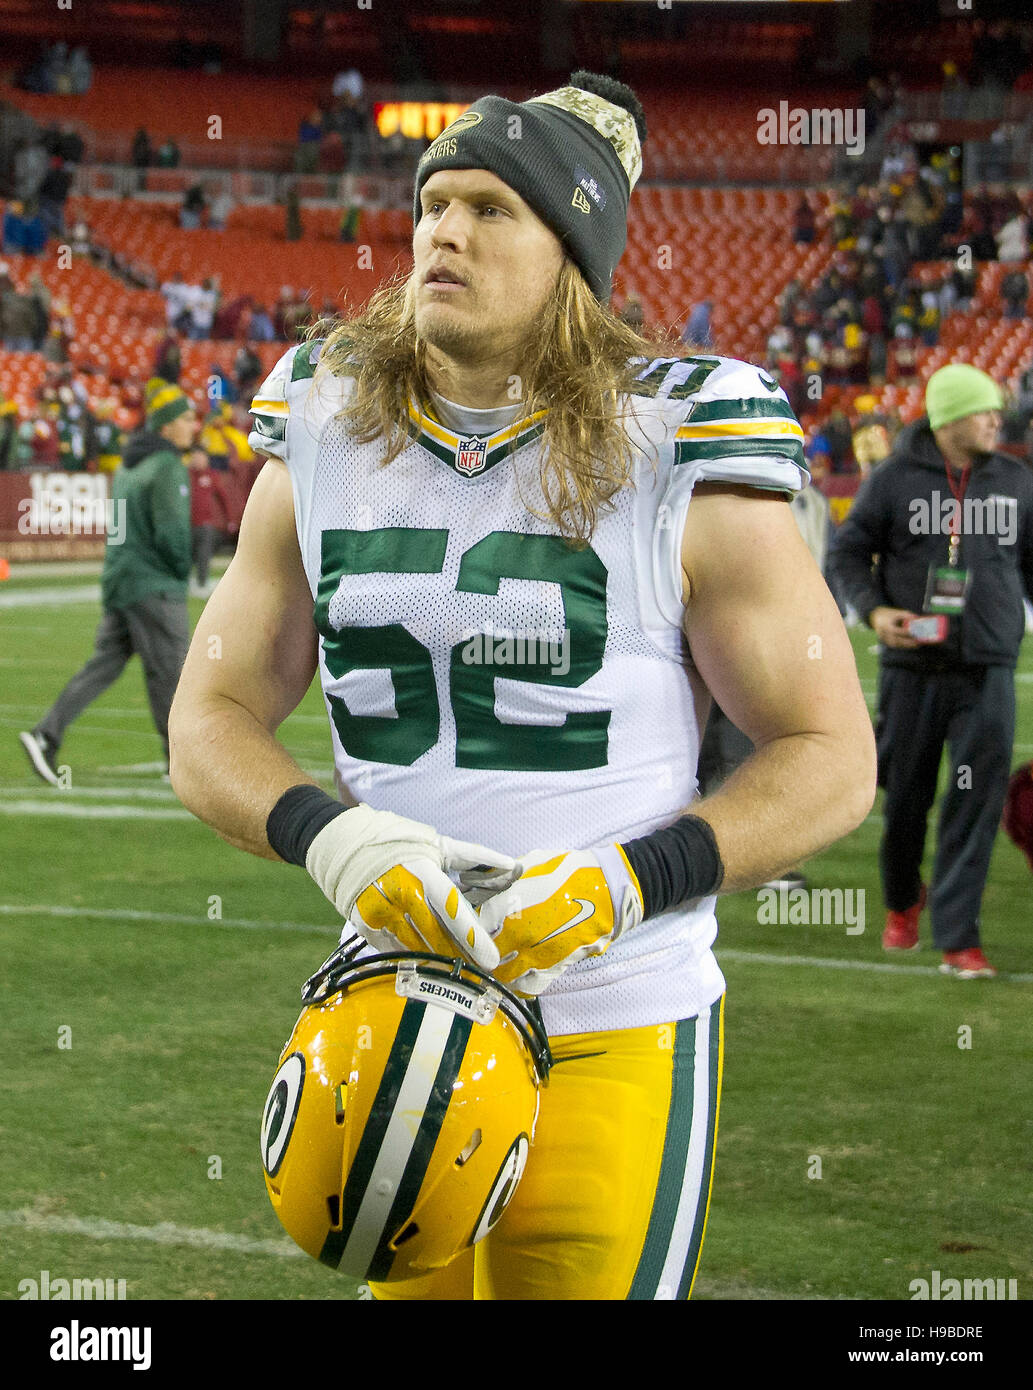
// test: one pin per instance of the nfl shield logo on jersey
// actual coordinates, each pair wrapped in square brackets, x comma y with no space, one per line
[470,455]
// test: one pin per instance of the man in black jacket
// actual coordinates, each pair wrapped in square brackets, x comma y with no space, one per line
[949,525]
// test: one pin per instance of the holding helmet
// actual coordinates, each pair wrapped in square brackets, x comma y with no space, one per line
[400,1117]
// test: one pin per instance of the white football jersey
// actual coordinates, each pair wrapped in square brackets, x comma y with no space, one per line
[483,676]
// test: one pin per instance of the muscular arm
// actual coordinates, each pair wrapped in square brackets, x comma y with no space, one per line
[251,660]
[766,636]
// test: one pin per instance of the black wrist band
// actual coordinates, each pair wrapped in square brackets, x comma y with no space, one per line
[676,864]
[297,818]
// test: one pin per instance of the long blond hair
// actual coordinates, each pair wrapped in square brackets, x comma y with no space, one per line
[578,368]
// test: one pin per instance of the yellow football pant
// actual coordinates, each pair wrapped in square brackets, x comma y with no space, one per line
[613,1202]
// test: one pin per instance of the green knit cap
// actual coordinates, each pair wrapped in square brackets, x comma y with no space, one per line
[165,402]
[959,390]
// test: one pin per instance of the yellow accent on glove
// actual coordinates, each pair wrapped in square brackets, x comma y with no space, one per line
[564,908]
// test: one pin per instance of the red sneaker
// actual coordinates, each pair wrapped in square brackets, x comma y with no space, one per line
[967,965]
[901,930]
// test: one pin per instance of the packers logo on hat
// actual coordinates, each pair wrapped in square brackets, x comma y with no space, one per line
[445,144]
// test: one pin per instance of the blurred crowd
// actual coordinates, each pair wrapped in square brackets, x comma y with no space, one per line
[58,70]
[867,317]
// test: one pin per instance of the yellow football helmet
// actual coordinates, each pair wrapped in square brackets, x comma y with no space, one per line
[402,1112]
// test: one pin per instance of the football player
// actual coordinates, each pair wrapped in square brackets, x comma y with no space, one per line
[522,547]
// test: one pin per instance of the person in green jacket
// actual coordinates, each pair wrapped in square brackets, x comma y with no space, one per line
[144,579]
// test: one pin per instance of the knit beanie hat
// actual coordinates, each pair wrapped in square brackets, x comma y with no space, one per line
[959,390]
[164,402]
[573,155]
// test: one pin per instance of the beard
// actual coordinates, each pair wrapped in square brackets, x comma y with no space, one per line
[446,332]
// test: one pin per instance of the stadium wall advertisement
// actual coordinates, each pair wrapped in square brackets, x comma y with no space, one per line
[54,516]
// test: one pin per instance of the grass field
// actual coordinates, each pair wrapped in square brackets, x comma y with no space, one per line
[150,974]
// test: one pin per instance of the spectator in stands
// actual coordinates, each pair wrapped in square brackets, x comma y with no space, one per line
[17,318]
[957,687]
[964,282]
[804,224]
[169,360]
[285,313]
[351,214]
[953,93]
[61,333]
[15,231]
[204,300]
[30,167]
[141,153]
[141,156]
[310,136]
[39,296]
[8,433]
[108,439]
[80,71]
[53,194]
[219,209]
[348,120]
[791,296]
[193,208]
[1014,293]
[144,579]
[70,145]
[697,329]
[247,371]
[168,155]
[871,439]
[1013,239]
[261,329]
[80,242]
[839,436]
[349,83]
[233,318]
[929,318]
[176,294]
[205,510]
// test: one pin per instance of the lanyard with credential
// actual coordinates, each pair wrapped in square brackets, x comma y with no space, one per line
[959,497]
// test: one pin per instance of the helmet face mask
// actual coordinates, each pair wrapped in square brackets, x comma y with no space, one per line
[402,1112]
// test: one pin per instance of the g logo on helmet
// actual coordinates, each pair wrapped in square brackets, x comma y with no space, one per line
[502,1190]
[281,1110]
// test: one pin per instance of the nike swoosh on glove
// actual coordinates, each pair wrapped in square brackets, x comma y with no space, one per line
[388,876]
[562,909]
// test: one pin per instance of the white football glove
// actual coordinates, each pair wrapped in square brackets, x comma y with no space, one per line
[389,877]
[563,908]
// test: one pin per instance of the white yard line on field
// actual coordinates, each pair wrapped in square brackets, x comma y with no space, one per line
[201,1238]
[732,956]
[165,1233]
[126,914]
[53,597]
[77,811]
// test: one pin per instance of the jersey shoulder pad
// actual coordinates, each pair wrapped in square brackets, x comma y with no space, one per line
[284,392]
[270,409]
[738,413]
